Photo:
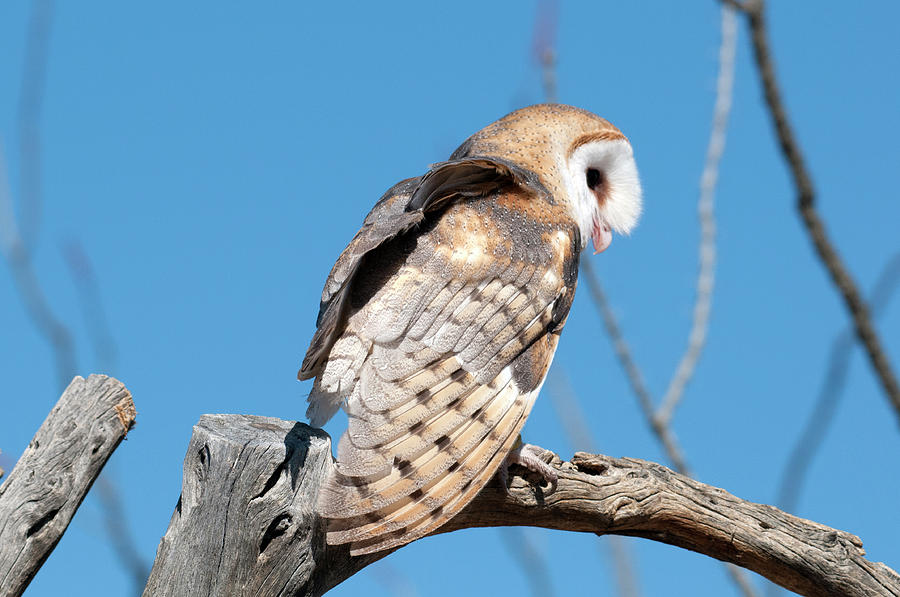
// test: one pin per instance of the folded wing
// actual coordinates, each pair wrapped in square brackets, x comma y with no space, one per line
[439,349]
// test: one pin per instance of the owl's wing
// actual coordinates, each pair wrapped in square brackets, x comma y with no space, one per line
[401,208]
[449,337]
[386,220]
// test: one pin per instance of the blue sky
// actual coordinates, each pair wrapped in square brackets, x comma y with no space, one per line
[212,160]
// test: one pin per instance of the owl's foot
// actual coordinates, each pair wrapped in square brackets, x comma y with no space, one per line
[528,456]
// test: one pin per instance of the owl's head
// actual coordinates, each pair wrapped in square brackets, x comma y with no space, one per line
[582,159]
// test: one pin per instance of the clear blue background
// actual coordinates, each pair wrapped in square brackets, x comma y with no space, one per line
[213,159]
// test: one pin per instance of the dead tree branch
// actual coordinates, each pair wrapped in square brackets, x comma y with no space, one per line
[245,523]
[56,471]
[806,197]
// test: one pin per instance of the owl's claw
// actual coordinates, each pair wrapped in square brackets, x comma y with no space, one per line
[528,456]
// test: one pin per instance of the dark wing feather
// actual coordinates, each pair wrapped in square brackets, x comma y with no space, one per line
[469,177]
[387,219]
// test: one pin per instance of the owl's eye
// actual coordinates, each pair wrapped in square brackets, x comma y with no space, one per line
[594,178]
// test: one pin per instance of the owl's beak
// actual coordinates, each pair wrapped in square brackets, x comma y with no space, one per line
[602,236]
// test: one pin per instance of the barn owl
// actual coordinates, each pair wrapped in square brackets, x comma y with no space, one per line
[439,320]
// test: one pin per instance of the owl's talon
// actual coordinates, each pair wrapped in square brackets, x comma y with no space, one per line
[529,456]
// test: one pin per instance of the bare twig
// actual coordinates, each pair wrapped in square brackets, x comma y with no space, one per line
[573,418]
[60,341]
[661,429]
[568,409]
[545,53]
[18,243]
[793,156]
[31,97]
[85,278]
[736,5]
[393,580]
[797,466]
[544,46]
[659,419]
[623,566]
[33,298]
[705,204]
[115,519]
[119,533]
[533,564]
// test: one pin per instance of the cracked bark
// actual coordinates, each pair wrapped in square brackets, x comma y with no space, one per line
[245,523]
[48,484]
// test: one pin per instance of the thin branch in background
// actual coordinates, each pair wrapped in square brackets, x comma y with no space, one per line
[705,209]
[524,553]
[114,517]
[392,579]
[60,341]
[31,97]
[815,228]
[659,419]
[573,418]
[797,467]
[544,46]
[736,5]
[623,566]
[33,298]
[568,409]
[89,295]
[119,533]
[661,429]
[18,242]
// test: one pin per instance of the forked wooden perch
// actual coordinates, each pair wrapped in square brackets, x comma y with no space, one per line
[245,523]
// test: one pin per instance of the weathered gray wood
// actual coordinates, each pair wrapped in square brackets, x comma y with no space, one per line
[45,488]
[245,523]
[625,496]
